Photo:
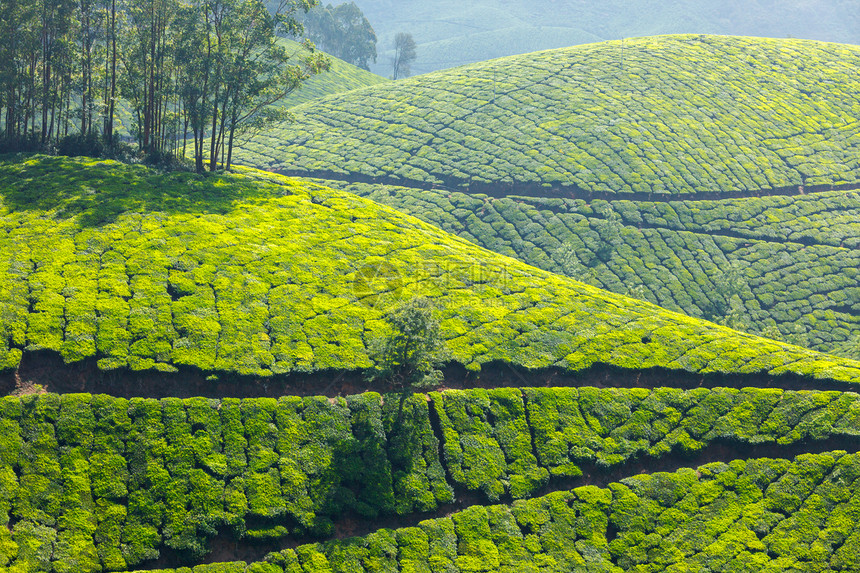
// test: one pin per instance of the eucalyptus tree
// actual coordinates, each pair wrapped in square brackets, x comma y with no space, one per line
[343,31]
[213,68]
[234,68]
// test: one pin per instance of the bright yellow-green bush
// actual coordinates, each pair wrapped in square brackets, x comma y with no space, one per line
[720,517]
[795,258]
[258,274]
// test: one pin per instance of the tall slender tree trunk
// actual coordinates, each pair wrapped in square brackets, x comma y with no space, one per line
[213,157]
[233,120]
[112,92]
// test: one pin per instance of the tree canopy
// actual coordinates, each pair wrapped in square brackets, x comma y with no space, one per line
[179,68]
[342,31]
[404,55]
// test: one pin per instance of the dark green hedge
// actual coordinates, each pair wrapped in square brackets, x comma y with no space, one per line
[744,516]
[95,482]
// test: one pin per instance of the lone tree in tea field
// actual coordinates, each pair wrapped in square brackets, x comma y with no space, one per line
[410,357]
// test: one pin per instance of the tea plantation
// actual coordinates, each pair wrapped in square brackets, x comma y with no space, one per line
[713,176]
[93,483]
[666,115]
[256,274]
[342,77]
[791,262]
[769,515]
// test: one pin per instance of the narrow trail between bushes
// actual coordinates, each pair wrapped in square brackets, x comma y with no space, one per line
[501,190]
[224,548]
[45,371]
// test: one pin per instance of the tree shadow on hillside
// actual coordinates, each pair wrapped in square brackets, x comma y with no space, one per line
[98,191]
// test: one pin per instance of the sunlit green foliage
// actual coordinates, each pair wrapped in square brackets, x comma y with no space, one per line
[342,77]
[94,482]
[790,261]
[669,114]
[756,515]
[258,274]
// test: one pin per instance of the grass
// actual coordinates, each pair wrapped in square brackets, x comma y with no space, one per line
[668,115]
[92,482]
[795,258]
[258,274]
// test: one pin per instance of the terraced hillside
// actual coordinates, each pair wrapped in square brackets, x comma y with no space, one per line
[782,266]
[715,176]
[665,116]
[256,274]
[720,517]
[342,77]
[120,270]
[93,482]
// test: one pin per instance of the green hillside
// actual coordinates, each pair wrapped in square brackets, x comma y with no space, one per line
[342,77]
[791,261]
[257,274]
[755,515]
[661,116]
[92,482]
[639,264]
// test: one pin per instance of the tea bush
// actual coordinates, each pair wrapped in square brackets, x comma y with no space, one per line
[679,115]
[93,483]
[258,275]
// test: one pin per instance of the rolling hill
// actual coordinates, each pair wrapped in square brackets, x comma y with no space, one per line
[258,275]
[783,266]
[661,117]
[709,175]
[576,429]
[342,77]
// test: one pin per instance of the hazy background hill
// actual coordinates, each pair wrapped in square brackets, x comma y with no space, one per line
[450,32]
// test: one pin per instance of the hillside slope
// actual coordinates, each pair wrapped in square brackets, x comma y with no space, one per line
[92,482]
[342,77]
[664,116]
[791,262]
[258,274]
[753,515]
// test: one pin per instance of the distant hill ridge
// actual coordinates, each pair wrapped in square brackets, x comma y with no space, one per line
[663,116]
